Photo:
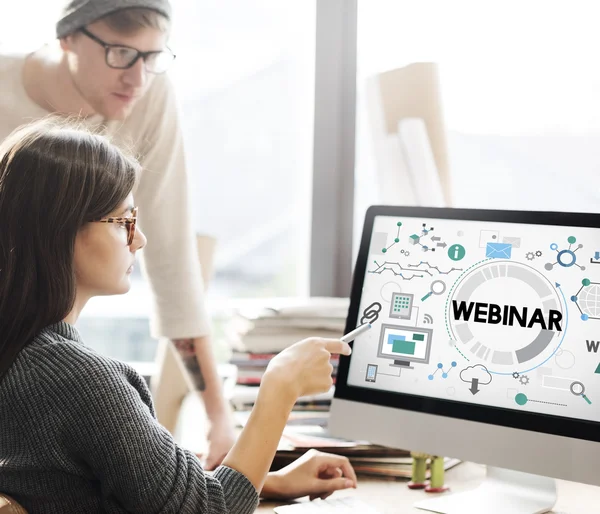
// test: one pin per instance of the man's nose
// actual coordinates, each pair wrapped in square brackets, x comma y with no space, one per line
[137,75]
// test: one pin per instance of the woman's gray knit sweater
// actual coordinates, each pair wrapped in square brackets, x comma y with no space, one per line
[78,434]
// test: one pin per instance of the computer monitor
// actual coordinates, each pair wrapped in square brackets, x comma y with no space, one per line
[484,347]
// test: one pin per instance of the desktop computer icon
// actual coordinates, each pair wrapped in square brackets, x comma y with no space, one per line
[529,423]
[404,345]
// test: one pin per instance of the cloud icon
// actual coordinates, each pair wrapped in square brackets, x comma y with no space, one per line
[478,372]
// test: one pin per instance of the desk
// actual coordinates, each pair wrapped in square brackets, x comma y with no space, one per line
[394,497]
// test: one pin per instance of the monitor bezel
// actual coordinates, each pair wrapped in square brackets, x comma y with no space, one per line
[543,423]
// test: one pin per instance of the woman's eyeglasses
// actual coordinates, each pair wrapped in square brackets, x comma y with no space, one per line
[128,222]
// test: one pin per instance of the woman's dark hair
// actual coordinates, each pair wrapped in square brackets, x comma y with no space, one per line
[54,178]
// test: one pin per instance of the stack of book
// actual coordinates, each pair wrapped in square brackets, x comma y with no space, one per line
[307,430]
[251,366]
[243,398]
[268,327]
[259,331]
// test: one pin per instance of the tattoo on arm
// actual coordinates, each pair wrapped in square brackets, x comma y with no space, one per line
[187,351]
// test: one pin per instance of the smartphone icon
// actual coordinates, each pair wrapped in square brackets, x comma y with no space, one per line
[371,372]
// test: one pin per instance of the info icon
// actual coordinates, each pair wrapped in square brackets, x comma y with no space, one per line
[456,252]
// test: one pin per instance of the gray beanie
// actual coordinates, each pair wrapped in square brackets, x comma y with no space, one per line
[78,13]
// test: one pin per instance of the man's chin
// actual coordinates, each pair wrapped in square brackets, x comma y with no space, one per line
[116,115]
[116,112]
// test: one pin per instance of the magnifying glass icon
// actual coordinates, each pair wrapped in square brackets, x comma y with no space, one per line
[578,389]
[437,287]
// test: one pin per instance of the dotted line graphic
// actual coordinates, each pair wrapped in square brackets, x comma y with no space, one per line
[448,301]
[433,267]
[382,267]
[463,355]
[547,403]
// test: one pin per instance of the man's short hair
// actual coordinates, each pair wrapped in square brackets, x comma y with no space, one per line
[128,21]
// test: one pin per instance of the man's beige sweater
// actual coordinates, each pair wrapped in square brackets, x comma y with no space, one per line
[153,134]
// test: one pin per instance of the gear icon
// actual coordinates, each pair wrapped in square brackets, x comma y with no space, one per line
[530,256]
[516,375]
[524,379]
[538,253]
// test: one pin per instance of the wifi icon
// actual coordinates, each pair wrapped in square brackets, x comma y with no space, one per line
[427,319]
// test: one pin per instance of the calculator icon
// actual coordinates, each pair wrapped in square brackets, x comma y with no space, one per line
[401,307]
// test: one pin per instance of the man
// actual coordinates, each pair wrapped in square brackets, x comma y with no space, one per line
[109,69]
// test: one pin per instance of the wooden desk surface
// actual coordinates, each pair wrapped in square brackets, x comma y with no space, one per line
[392,496]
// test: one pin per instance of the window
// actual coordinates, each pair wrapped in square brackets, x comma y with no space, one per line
[245,77]
[520,95]
[245,81]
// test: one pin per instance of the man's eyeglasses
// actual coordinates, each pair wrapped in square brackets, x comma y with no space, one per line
[129,222]
[124,57]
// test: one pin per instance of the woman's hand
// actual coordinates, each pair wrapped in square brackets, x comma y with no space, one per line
[304,368]
[315,474]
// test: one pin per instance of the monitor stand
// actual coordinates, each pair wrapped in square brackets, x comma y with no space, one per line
[402,365]
[503,491]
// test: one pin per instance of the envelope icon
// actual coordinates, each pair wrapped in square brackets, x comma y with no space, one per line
[514,241]
[498,250]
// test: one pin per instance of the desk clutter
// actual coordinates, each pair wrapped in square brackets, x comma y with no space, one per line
[308,429]
[347,505]
[270,326]
[260,331]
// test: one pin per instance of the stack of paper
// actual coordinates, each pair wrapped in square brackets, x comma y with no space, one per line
[272,326]
[261,329]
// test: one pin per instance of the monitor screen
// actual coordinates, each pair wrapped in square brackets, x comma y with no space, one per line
[496,314]
[404,343]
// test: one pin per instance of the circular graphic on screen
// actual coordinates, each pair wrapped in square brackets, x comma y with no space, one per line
[388,289]
[506,315]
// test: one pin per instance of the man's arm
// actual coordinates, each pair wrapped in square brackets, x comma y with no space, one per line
[205,377]
[199,362]
[187,351]
[171,260]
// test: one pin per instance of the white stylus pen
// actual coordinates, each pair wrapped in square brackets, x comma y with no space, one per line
[351,336]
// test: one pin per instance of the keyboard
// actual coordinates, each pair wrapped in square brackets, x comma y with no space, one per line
[347,505]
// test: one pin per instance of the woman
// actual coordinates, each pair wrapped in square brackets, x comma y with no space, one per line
[78,431]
